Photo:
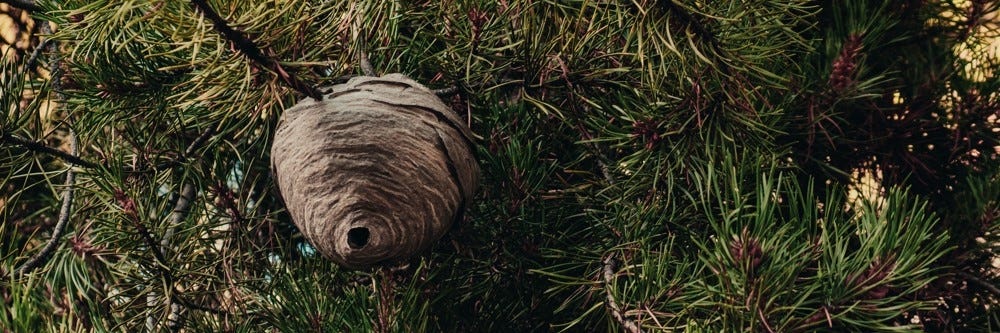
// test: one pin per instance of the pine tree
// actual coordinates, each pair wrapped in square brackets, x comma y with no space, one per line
[654,165]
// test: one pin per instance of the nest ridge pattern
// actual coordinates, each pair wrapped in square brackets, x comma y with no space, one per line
[377,171]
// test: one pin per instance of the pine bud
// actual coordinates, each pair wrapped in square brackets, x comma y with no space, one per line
[746,250]
[844,67]
[648,131]
[875,276]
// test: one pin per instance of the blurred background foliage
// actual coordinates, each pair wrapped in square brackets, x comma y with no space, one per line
[648,165]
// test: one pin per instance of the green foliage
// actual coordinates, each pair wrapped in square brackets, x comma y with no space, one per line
[663,165]
[774,257]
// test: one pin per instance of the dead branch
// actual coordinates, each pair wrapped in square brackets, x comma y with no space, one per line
[610,268]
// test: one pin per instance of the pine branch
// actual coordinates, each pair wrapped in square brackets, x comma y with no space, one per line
[445,92]
[180,212]
[763,319]
[184,156]
[584,134]
[23,4]
[190,305]
[40,258]
[975,279]
[189,151]
[610,267]
[252,51]
[162,266]
[161,260]
[366,65]
[154,247]
[43,256]
[463,86]
[33,58]
[38,147]
[198,142]
[688,20]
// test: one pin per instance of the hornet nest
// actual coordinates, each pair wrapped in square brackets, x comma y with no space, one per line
[376,172]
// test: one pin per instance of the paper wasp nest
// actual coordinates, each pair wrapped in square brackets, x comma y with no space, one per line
[377,171]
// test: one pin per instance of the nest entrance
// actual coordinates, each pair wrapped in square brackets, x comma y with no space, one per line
[357,237]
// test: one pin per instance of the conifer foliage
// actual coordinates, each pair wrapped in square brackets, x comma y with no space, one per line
[647,165]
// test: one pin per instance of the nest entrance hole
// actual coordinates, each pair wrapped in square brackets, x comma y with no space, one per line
[357,237]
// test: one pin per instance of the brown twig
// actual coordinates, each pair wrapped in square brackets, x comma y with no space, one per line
[688,20]
[40,258]
[385,286]
[180,212]
[32,61]
[252,51]
[161,265]
[463,86]
[188,152]
[982,283]
[445,92]
[366,65]
[763,319]
[599,153]
[198,142]
[23,4]
[363,61]
[38,147]
[610,267]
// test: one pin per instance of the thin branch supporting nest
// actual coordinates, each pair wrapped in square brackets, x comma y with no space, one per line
[250,49]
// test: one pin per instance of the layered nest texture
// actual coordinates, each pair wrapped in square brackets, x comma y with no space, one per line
[375,172]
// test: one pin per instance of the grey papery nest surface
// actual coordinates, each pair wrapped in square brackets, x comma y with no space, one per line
[376,172]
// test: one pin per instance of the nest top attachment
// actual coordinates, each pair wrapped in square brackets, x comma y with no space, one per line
[376,172]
